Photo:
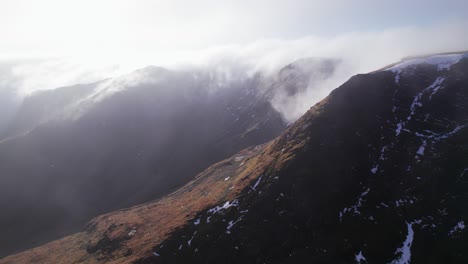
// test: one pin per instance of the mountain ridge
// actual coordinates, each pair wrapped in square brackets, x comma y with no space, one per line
[374,172]
[122,142]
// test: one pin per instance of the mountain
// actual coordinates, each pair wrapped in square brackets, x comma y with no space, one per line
[75,152]
[374,173]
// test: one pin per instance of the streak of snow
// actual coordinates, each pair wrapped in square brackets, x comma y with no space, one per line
[438,136]
[454,131]
[458,227]
[231,224]
[382,153]
[405,250]
[360,257]
[397,76]
[417,99]
[190,241]
[404,201]
[435,86]
[355,208]
[399,127]
[375,169]
[422,148]
[226,205]
[256,183]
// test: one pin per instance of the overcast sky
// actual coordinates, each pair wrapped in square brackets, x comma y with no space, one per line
[109,27]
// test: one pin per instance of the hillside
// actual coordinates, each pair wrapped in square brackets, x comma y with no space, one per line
[376,172]
[75,152]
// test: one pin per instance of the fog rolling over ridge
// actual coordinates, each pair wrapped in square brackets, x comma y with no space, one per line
[234,131]
[358,51]
[92,148]
[375,172]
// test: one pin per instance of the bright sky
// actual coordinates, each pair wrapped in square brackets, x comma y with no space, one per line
[112,27]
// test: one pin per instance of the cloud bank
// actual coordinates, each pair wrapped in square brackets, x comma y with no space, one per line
[359,52]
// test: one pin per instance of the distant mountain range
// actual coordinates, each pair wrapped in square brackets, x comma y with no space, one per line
[72,153]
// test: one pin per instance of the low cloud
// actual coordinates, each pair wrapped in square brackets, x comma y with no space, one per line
[359,52]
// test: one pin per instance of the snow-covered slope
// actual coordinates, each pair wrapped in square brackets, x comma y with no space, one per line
[442,62]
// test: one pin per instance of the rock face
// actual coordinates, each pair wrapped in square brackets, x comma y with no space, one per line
[376,172]
[73,153]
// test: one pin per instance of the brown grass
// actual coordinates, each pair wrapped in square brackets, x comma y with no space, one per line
[153,221]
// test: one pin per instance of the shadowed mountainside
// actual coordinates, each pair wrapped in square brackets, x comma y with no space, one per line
[376,173]
[76,152]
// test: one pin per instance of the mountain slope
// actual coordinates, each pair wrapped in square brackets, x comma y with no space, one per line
[80,151]
[373,173]
[380,178]
[127,235]
[76,152]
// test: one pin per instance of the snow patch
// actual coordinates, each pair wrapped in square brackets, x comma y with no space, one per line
[360,257]
[447,135]
[132,232]
[405,250]
[443,62]
[355,208]
[231,224]
[434,87]
[226,205]
[398,129]
[397,76]
[256,183]
[422,148]
[458,227]
[239,158]
[189,243]
[382,153]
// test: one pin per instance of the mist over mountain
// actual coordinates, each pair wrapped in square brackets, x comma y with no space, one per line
[375,172]
[234,131]
[93,148]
